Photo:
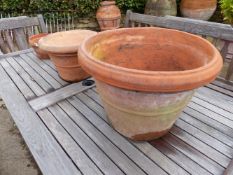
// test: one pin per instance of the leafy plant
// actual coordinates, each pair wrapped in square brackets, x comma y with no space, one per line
[136,5]
[82,7]
[227,10]
[86,7]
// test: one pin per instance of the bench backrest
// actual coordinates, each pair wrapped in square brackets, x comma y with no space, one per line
[221,35]
[14,32]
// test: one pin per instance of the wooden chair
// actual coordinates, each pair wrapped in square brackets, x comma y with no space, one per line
[14,32]
[221,35]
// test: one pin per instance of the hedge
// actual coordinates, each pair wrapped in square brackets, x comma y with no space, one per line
[82,7]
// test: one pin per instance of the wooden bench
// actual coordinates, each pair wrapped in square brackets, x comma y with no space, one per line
[66,130]
[221,35]
[14,32]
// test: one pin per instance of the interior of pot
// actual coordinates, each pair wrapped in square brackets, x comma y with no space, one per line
[151,49]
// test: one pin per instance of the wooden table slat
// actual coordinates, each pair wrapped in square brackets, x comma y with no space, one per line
[27,92]
[41,72]
[26,77]
[213,108]
[222,90]
[220,103]
[211,114]
[210,121]
[207,129]
[56,96]
[78,156]
[40,142]
[193,154]
[200,146]
[178,157]
[36,77]
[205,138]
[47,68]
[223,85]
[104,163]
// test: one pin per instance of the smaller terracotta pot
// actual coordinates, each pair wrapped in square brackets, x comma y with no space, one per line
[108,15]
[62,48]
[33,42]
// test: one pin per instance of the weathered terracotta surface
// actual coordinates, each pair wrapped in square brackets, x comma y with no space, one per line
[62,48]
[68,67]
[142,115]
[146,76]
[33,41]
[108,15]
[202,10]
[161,7]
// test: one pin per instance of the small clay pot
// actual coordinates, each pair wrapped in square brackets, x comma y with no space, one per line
[108,15]
[198,9]
[33,42]
[146,76]
[62,48]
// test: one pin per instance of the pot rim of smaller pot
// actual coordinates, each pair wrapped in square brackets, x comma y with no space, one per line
[72,36]
[32,38]
[109,2]
[150,81]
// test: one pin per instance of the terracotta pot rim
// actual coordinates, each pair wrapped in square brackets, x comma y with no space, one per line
[215,65]
[76,66]
[32,39]
[105,3]
[63,54]
[71,47]
[109,19]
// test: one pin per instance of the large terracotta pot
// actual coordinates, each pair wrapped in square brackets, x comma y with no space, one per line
[198,9]
[62,48]
[161,7]
[33,42]
[108,15]
[146,76]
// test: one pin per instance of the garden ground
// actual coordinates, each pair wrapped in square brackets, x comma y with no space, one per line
[15,158]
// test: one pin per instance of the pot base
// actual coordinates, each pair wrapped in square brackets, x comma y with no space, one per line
[150,136]
[72,74]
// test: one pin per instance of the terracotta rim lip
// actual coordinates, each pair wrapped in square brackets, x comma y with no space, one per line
[109,19]
[171,74]
[72,48]
[75,66]
[105,3]
[32,38]
[213,61]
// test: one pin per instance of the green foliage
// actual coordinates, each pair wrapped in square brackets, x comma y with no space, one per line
[227,10]
[82,7]
[86,7]
[135,5]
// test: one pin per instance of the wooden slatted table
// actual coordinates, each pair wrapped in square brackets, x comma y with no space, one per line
[66,130]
